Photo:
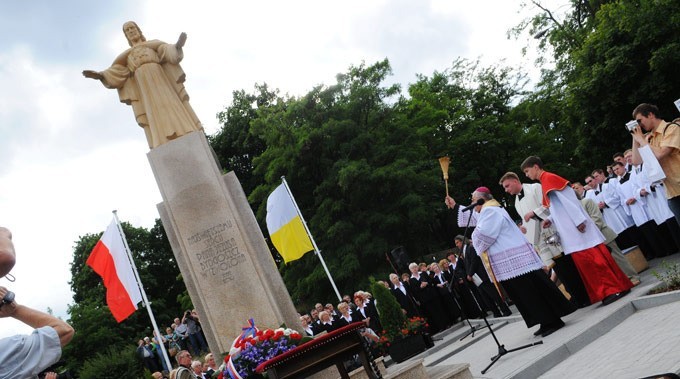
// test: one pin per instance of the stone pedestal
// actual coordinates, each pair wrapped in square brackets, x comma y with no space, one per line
[225,262]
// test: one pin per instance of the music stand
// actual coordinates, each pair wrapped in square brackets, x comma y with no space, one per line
[473,328]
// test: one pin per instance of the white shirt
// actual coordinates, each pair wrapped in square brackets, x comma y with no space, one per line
[656,200]
[25,356]
[630,190]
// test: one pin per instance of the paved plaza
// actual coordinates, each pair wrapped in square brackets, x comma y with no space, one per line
[635,337]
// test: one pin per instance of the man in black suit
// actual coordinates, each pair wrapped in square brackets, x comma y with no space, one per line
[460,286]
[488,292]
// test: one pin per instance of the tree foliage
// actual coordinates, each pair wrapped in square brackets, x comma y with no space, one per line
[609,57]
[361,160]
[112,363]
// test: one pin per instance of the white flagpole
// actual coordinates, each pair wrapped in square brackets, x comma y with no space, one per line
[309,234]
[159,336]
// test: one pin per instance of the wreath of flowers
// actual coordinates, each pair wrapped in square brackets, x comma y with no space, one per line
[255,346]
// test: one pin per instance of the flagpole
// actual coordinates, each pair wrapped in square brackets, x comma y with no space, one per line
[159,337]
[309,234]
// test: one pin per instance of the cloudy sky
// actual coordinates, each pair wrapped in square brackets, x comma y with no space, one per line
[70,153]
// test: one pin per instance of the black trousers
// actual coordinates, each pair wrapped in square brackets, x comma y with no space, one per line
[493,299]
[569,276]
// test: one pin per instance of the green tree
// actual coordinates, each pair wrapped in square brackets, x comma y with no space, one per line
[609,56]
[466,112]
[234,144]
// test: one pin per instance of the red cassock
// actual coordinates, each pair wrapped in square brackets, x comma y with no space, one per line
[600,274]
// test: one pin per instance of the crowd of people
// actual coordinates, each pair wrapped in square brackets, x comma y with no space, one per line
[575,230]
[443,292]
[182,338]
[568,234]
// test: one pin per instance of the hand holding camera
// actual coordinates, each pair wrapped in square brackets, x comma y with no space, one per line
[7,304]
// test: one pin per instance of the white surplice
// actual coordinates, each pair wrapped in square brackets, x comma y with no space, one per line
[566,213]
[510,254]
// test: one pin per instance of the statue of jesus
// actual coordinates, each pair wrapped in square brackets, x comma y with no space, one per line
[148,77]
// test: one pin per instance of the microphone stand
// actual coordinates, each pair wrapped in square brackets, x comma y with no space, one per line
[473,328]
[501,348]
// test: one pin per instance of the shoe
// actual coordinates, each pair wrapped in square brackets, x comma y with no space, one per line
[612,298]
[497,315]
[552,329]
[539,331]
[508,313]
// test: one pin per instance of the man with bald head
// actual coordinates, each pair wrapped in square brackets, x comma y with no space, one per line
[7,254]
[25,356]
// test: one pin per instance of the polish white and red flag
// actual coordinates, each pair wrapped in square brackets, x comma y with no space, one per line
[110,260]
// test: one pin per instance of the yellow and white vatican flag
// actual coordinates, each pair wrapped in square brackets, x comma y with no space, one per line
[286,226]
[288,229]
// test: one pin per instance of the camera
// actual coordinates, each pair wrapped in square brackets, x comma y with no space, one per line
[630,125]
[9,298]
[54,368]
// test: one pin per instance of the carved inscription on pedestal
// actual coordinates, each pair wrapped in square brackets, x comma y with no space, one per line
[219,253]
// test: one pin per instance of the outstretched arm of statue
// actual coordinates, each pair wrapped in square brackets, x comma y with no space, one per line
[93,74]
[181,40]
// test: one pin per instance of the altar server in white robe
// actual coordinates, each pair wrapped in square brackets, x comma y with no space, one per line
[635,205]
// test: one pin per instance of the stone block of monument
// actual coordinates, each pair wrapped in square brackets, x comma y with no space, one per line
[226,264]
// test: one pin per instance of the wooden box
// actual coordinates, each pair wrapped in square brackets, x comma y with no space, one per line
[636,259]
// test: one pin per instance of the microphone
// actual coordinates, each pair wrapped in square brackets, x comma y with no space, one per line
[471,206]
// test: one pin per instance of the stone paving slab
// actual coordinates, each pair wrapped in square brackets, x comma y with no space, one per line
[646,343]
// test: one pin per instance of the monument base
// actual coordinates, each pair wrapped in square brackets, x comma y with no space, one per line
[226,265]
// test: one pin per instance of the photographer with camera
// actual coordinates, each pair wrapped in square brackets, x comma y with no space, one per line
[196,339]
[663,139]
[25,356]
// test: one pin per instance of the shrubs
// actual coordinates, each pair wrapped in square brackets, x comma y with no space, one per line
[392,317]
[670,277]
[114,363]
